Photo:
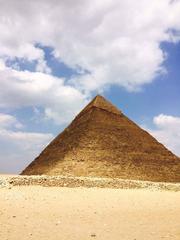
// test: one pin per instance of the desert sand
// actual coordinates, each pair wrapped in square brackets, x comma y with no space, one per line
[37,212]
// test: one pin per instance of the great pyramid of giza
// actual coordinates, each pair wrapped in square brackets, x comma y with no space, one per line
[102,142]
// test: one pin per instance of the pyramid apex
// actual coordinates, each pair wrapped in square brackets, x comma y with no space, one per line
[102,103]
[98,96]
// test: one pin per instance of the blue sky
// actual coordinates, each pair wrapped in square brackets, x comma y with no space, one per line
[54,59]
[161,96]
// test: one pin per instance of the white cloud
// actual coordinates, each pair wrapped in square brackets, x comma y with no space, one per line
[7,120]
[165,121]
[28,141]
[23,89]
[167,131]
[117,42]
[18,148]
[108,42]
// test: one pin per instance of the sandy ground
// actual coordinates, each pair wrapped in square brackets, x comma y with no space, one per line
[36,212]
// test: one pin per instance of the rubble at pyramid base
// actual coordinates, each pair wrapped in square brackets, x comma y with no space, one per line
[88,182]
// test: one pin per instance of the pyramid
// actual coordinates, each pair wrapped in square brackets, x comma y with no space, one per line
[102,142]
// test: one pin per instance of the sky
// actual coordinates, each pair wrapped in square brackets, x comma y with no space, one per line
[55,56]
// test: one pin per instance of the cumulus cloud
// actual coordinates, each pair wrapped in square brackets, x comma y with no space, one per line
[114,42]
[23,146]
[35,89]
[7,120]
[167,131]
[106,42]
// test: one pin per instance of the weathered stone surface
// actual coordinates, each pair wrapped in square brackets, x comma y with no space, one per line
[102,142]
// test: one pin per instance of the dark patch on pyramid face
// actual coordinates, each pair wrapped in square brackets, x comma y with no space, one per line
[102,142]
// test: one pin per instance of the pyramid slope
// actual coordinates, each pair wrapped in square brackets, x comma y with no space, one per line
[102,142]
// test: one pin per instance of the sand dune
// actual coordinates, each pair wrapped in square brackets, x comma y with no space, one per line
[36,212]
